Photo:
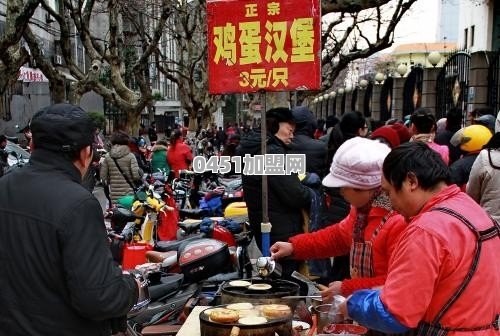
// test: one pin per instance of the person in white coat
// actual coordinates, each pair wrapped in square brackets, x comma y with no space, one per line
[484,178]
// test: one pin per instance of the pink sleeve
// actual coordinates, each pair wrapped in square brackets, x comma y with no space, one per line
[331,241]
[413,273]
[351,285]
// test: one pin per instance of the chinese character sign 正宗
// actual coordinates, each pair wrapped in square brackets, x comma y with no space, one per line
[263,45]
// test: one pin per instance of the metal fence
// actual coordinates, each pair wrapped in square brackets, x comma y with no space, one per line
[354,99]
[452,84]
[367,102]
[412,91]
[386,99]
[494,82]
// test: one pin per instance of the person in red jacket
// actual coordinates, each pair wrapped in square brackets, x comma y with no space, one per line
[444,275]
[370,231]
[179,155]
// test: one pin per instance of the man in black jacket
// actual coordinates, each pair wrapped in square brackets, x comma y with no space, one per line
[286,195]
[58,276]
[152,135]
[304,143]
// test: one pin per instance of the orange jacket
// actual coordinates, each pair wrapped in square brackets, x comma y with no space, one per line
[431,260]
[336,240]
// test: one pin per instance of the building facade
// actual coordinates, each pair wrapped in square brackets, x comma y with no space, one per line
[479,25]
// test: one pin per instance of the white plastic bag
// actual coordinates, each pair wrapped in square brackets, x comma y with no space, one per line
[334,315]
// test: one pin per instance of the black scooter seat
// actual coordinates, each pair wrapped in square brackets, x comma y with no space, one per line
[168,286]
[173,245]
[193,213]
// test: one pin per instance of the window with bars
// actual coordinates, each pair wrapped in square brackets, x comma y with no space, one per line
[15,89]
[472,31]
[466,37]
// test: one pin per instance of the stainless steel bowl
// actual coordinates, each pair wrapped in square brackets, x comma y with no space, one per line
[323,317]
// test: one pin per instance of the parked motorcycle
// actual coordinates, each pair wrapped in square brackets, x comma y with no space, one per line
[166,297]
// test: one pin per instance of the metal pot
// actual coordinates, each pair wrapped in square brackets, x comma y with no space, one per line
[323,318]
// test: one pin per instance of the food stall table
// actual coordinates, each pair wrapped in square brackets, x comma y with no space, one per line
[191,326]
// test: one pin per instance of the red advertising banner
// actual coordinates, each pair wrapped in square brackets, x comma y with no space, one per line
[263,45]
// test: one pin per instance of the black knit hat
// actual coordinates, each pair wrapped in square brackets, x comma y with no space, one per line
[281,114]
[62,128]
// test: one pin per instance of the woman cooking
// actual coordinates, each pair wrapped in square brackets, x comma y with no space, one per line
[444,275]
[370,231]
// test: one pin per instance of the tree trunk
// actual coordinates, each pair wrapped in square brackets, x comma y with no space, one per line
[151,113]
[276,99]
[133,122]
[206,118]
[58,91]
[193,121]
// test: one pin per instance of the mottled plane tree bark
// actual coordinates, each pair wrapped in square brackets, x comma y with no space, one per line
[13,55]
[188,69]
[106,52]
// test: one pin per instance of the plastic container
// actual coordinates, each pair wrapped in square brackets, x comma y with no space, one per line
[345,329]
[135,254]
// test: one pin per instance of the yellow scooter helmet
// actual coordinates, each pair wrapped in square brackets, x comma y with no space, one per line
[471,138]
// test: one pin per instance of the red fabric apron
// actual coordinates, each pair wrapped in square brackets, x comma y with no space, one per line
[361,255]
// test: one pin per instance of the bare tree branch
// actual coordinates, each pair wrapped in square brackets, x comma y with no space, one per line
[337,55]
[13,56]
[349,6]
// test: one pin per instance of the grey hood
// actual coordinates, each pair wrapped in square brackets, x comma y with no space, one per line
[119,151]
[305,122]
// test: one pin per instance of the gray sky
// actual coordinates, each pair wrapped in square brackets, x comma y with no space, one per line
[419,24]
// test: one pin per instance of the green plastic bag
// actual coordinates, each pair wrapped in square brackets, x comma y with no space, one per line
[126,201]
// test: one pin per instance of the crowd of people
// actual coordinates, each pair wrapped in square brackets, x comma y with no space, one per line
[407,210]
[411,233]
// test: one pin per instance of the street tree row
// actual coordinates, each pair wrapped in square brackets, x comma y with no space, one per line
[132,42]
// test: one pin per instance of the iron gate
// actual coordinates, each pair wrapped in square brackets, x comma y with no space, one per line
[386,99]
[367,102]
[115,118]
[354,99]
[494,82]
[334,106]
[5,100]
[412,91]
[452,84]
[342,104]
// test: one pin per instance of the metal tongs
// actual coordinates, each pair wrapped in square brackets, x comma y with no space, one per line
[314,296]
[303,278]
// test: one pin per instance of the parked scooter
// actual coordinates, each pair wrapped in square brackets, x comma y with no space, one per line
[166,297]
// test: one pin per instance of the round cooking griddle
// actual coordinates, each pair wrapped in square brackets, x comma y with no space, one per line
[278,288]
[260,287]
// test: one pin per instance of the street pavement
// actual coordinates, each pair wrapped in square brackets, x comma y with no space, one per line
[99,194]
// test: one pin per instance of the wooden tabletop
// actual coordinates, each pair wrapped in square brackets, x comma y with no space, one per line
[191,326]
